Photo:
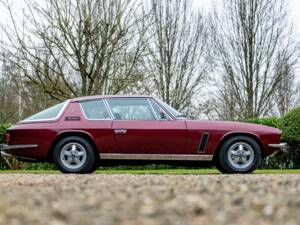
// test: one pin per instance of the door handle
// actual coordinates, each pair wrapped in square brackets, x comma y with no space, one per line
[120,131]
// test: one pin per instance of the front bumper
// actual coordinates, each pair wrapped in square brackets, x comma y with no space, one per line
[5,151]
[281,146]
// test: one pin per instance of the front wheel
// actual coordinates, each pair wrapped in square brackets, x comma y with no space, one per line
[74,155]
[239,154]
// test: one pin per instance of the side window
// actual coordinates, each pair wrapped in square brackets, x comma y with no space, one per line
[48,114]
[131,109]
[95,109]
[160,113]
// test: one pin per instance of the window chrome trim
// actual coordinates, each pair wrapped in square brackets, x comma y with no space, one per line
[145,98]
[85,116]
[50,119]
[164,109]
[152,109]
[109,109]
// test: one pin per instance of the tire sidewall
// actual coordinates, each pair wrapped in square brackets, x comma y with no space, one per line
[90,160]
[223,155]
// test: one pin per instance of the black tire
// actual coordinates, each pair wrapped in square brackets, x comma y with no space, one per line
[218,166]
[227,165]
[88,163]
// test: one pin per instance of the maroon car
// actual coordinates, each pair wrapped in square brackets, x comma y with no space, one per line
[80,133]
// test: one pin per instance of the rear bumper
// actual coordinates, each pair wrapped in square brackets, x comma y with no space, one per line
[5,151]
[281,146]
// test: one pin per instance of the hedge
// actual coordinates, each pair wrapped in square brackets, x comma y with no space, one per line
[3,128]
[268,121]
[290,126]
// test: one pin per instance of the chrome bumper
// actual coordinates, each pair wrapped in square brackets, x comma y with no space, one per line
[281,147]
[4,150]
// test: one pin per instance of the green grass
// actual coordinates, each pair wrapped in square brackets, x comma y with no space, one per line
[155,171]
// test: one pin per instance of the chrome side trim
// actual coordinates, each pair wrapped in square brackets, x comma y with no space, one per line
[282,146]
[9,147]
[156,157]
[5,154]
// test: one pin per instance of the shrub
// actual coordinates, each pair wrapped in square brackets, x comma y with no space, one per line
[3,129]
[268,121]
[290,126]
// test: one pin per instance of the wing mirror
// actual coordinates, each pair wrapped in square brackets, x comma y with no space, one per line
[162,115]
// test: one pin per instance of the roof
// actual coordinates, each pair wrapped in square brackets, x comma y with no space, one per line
[107,96]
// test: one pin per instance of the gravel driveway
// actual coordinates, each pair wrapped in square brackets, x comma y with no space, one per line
[149,199]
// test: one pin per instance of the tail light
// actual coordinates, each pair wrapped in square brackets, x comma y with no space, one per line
[7,137]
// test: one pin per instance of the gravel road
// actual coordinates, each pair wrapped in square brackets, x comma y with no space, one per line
[149,199]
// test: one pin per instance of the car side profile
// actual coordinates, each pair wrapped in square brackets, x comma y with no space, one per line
[80,133]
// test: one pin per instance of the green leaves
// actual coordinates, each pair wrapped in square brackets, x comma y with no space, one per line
[3,128]
[268,121]
[290,125]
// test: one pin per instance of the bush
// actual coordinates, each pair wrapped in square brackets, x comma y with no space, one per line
[290,126]
[268,121]
[3,129]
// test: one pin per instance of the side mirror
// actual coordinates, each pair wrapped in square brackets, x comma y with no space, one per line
[162,115]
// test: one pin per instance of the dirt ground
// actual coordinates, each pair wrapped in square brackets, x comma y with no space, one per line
[149,199]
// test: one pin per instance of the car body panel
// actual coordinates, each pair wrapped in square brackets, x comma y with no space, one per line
[151,137]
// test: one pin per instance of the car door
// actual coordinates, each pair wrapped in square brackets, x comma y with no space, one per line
[138,130]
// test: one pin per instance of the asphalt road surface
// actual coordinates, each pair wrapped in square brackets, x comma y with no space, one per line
[149,199]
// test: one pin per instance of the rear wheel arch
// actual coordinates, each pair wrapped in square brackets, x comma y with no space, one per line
[65,134]
[231,135]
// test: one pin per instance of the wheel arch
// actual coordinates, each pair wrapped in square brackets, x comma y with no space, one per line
[229,135]
[64,134]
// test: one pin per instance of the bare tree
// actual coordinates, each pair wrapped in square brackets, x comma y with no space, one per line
[286,91]
[178,56]
[74,48]
[249,36]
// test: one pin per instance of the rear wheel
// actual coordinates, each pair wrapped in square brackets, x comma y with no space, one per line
[75,155]
[239,154]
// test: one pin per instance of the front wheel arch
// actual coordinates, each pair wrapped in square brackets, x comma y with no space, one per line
[225,163]
[65,134]
[231,135]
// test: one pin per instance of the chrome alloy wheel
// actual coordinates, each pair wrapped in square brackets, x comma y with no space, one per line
[240,155]
[73,155]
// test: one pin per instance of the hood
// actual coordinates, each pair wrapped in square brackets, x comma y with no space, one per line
[230,126]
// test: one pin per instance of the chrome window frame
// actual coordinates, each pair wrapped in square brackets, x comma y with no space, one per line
[166,112]
[171,116]
[145,98]
[96,99]
[50,119]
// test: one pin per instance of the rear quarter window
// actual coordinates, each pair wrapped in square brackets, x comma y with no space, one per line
[48,114]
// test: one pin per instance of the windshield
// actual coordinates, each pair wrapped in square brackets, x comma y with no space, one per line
[170,109]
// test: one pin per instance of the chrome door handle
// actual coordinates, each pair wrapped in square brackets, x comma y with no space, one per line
[120,131]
